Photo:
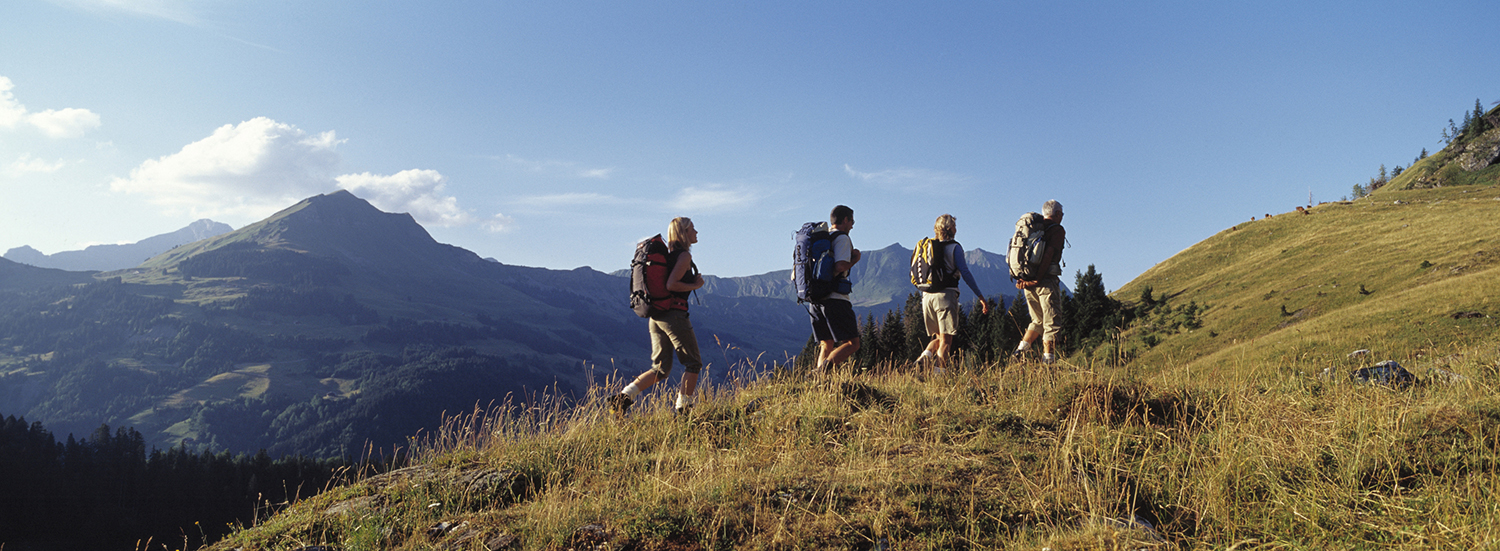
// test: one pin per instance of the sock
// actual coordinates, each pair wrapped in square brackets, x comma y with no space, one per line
[925,355]
[1024,346]
[1046,357]
[683,401]
[632,391]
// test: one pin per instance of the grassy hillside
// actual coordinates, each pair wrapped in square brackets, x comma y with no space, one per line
[973,459]
[1225,434]
[1399,273]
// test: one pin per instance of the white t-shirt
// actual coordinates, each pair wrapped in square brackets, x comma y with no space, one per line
[843,250]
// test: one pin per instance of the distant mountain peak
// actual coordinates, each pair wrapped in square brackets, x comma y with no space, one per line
[112,257]
[340,226]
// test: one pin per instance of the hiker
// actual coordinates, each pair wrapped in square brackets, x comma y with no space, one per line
[670,329]
[1043,290]
[940,304]
[833,320]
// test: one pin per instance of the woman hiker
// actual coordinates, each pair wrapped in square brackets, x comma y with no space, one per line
[670,330]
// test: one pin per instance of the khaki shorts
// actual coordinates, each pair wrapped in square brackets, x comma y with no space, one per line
[940,312]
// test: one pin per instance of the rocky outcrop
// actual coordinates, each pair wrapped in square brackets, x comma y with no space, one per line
[1481,152]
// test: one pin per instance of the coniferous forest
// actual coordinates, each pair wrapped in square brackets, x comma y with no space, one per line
[106,492]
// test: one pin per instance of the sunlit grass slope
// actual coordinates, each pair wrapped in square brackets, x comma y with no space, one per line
[974,459]
[1397,273]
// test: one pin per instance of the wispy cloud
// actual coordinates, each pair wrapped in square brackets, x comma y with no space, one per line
[712,198]
[11,111]
[556,168]
[417,192]
[251,169]
[27,164]
[61,123]
[499,223]
[64,123]
[180,11]
[914,180]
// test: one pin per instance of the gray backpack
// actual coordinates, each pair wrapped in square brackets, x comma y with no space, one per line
[1027,247]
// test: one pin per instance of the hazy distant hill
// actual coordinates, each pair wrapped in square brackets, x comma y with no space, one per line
[20,277]
[117,257]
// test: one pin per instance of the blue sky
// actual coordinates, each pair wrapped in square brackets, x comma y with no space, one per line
[558,133]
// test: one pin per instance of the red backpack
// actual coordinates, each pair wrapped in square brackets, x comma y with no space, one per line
[649,271]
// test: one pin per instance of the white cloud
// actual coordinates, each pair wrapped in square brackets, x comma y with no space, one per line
[712,199]
[26,164]
[251,169]
[11,111]
[911,179]
[64,123]
[499,223]
[417,192]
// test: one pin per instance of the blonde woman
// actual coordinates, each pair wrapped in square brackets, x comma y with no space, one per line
[671,332]
[940,305]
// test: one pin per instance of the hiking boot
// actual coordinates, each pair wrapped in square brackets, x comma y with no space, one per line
[1018,355]
[685,411]
[1048,359]
[620,403]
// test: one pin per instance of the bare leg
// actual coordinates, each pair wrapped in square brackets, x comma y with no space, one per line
[825,350]
[647,379]
[944,343]
[843,351]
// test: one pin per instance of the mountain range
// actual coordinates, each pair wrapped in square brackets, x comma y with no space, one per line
[104,258]
[332,326]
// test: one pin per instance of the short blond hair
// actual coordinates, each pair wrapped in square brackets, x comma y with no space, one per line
[945,227]
[677,233]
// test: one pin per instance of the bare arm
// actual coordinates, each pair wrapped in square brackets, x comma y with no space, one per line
[843,267]
[680,269]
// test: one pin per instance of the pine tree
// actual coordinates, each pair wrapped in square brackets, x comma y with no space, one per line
[1480,125]
[916,327]
[1092,312]
[893,338]
[870,345]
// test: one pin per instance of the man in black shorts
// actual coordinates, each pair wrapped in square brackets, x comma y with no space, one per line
[833,320]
